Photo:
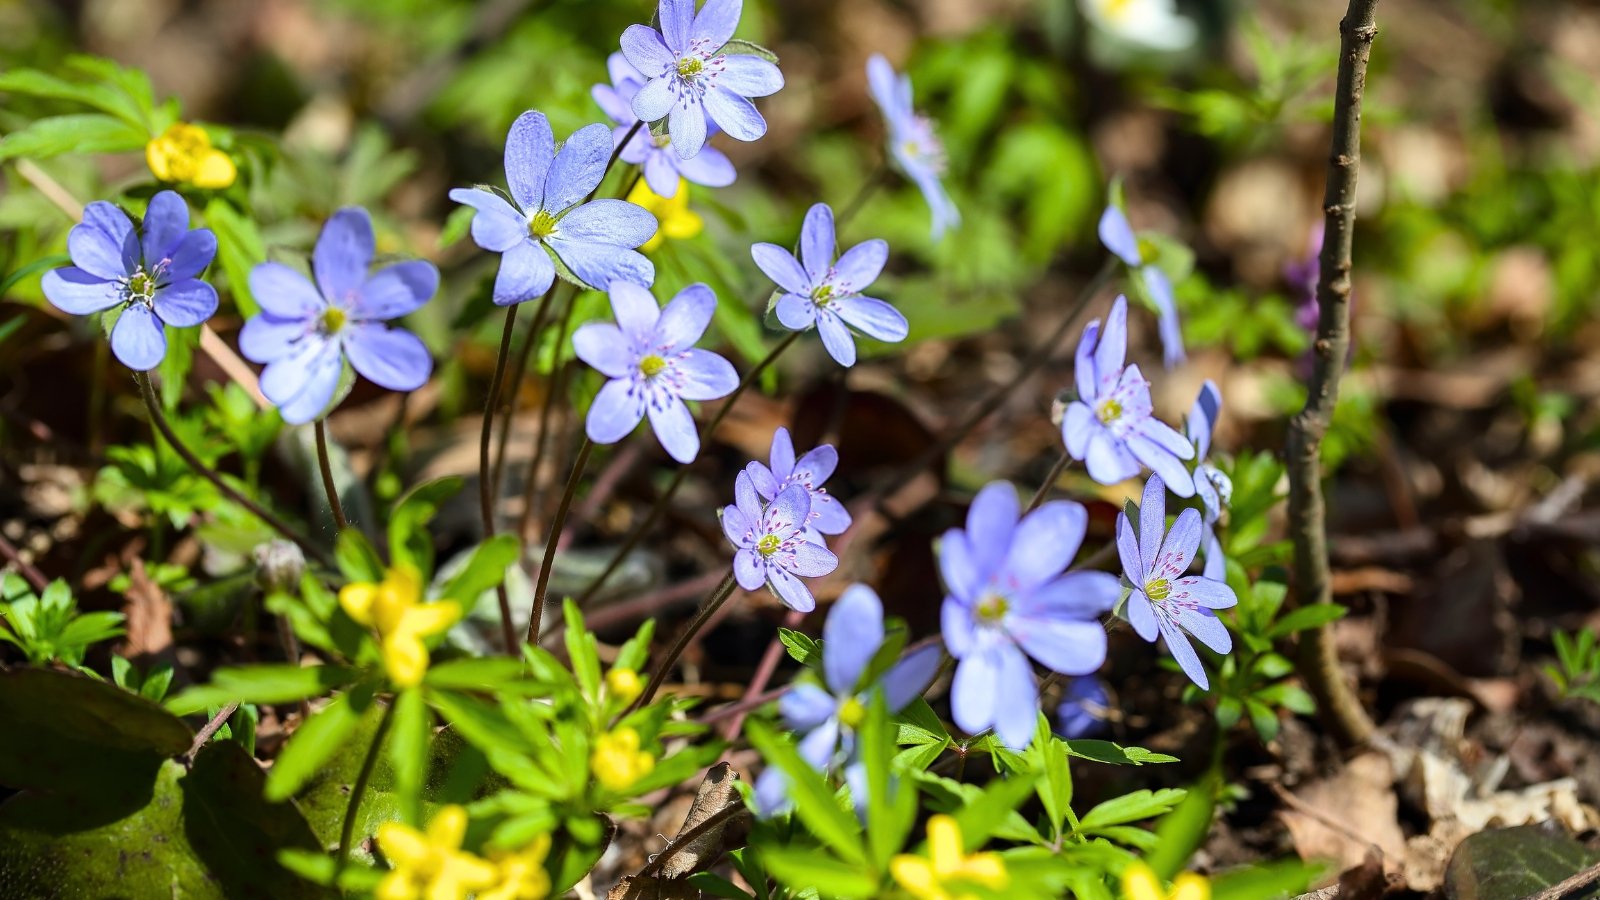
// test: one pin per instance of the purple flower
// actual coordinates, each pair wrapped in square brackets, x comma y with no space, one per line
[1165,601]
[825,716]
[828,516]
[152,277]
[913,146]
[1118,237]
[690,79]
[593,240]
[1213,487]
[822,292]
[772,547]
[305,332]
[1010,598]
[1110,425]
[1084,708]
[652,362]
[653,154]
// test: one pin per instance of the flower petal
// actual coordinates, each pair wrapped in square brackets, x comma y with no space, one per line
[266,338]
[828,515]
[1203,418]
[732,113]
[643,48]
[836,338]
[1152,519]
[1160,288]
[388,357]
[661,172]
[884,85]
[956,627]
[796,312]
[813,560]
[817,242]
[1044,543]
[1161,460]
[497,226]
[710,167]
[781,266]
[635,309]
[788,512]
[706,376]
[530,148]
[685,317]
[1142,615]
[677,20]
[1083,373]
[1177,551]
[749,500]
[603,346]
[608,221]
[748,570]
[1183,651]
[343,253]
[749,76]
[1205,591]
[782,453]
[850,637]
[675,429]
[736,526]
[104,243]
[872,317]
[285,293]
[1117,236]
[1075,595]
[397,290]
[813,469]
[578,167]
[716,21]
[991,520]
[806,706]
[166,220]
[604,265]
[1133,565]
[687,125]
[138,338]
[190,254]
[186,303]
[1068,647]
[614,414]
[1112,348]
[656,100]
[526,272]
[819,747]
[1206,628]
[861,265]
[907,679]
[320,379]
[618,108]
[1108,460]
[791,590]
[1078,424]
[772,792]
[73,290]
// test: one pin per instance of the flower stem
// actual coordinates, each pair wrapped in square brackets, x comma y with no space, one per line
[553,390]
[650,519]
[878,178]
[554,537]
[1049,481]
[486,487]
[359,789]
[339,521]
[707,610]
[159,420]
[1307,525]
[517,374]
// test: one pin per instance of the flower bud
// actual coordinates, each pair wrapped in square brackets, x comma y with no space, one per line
[279,565]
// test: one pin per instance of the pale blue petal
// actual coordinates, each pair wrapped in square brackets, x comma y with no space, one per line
[1182,651]
[1205,591]
[496,225]
[656,100]
[343,253]
[1078,424]
[186,303]
[710,167]
[320,380]
[791,590]
[604,265]
[806,706]
[190,254]
[706,376]
[104,243]
[526,272]
[661,171]
[674,427]
[685,318]
[907,679]
[772,793]
[1016,702]
[1133,564]
[748,570]
[716,21]
[860,265]
[781,266]
[578,167]
[1112,348]
[749,76]
[643,48]
[603,346]
[1152,519]
[614,413]
[1203,417]
[285,293]
[850,637]
[687,126]
[1108,460]
[530,148]
[782,453]
[388,357]
[165,222]
[1162,461]
[762,479]
[828,515]
[1160,288]
[1065,646]
[1142,616]
[817,242]
[1117,236]
[732,113]
[990,522]
[836,338]
[955,626]
[1044,543]
[795,312]
[72,290]
[266,338]
[872,317]
[1207,628]
[138,339]
[677,20]
[397,290]
[813,560]
[1076,595]
[962,577]
[635,310]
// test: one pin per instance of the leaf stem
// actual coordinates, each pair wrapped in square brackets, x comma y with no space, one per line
[554,537]
[326,467]
[707,610]
[1064,460]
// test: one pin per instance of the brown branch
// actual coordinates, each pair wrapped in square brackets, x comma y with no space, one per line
[1569,887]
[1319,663]
[27,569]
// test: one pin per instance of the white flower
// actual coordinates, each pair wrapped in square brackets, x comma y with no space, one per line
[1148,23]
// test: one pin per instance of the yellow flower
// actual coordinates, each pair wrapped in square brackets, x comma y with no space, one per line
[624,684]
[617,760]
[432,865]
[939,876]
[183,154]
[1139,882]
[394,607]
[677,220]
[522,874]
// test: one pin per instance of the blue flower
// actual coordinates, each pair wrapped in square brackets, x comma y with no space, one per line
[825,716]
[654,366]
[913,146]
[151,276]
[1118,237]
[1010,598]
[827,293]
[593,240]
[305,332]
[1213,487]
[1084,708]
[653,154]
[1110,425]
[770,543]
[1164,601]
[690,79]
[828,516]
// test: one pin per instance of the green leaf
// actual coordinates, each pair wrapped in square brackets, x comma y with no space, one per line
[356,558]
[1287,878]
[485,569]
[582,651]
[11,280]
[408,752]
[829,876]
[739,47]
[311,746]
[1048,756]
[1134,807]
[265,684]
[105,98]
[1512,863]
[800,646]
[478,673]
[891,810]
[1306,618]
[814,800]
[239,247]
[1115,754]
[79,133]
[1181,831]
[991,811]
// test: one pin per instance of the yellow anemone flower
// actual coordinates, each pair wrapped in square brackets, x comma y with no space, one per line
[624,684]
[183,154]
[618,762]
[431,865]
[394,607]
[677,220]
[947,867]
[1139,882]
[522,874]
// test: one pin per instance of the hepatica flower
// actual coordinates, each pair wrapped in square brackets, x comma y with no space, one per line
[1084,708]
[663,168]
[913,145]
[1110,425]
[691,80]
[826,716]
[547,216]
[826,293]
[1118,237]
[1010,598]
[770,544]
[306,331]
[1213,487]
[1164,600]
[151,276]
[828,516]
[650,357]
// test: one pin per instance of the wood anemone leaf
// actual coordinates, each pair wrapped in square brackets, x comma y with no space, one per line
[199,833]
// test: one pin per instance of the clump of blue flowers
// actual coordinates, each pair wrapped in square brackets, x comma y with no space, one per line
[811,471]
[658,162]
[770,543]
[1211,485]
[152,277]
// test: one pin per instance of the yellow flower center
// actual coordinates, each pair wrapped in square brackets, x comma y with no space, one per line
[992,608]
[1158,589]
[689,66]
[768,544]
[333,319]
[183,154]
[852,713]
[1110,410]
[542,225]
[617,761]
[141,286]
[652,365]
[822,295]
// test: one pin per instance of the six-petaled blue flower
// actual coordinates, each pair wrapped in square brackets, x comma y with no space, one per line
[151,276]
[913,146]
[828,515]
[827,293]
[306,331]
[1118,237]
[1164,600]
[825,716]
[653,154]
[771,545]
[1010,598]
[653,364]
[691,79]
[1110,425]
[1210,484]
[594,240]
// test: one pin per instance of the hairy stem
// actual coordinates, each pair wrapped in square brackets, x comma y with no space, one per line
[1318,662]
[1062,461]
[659,674]
[553,390]
[358,790]
[650,519]
[518,371]
[554,537]
[486,486]
[159,420]
[326,467]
